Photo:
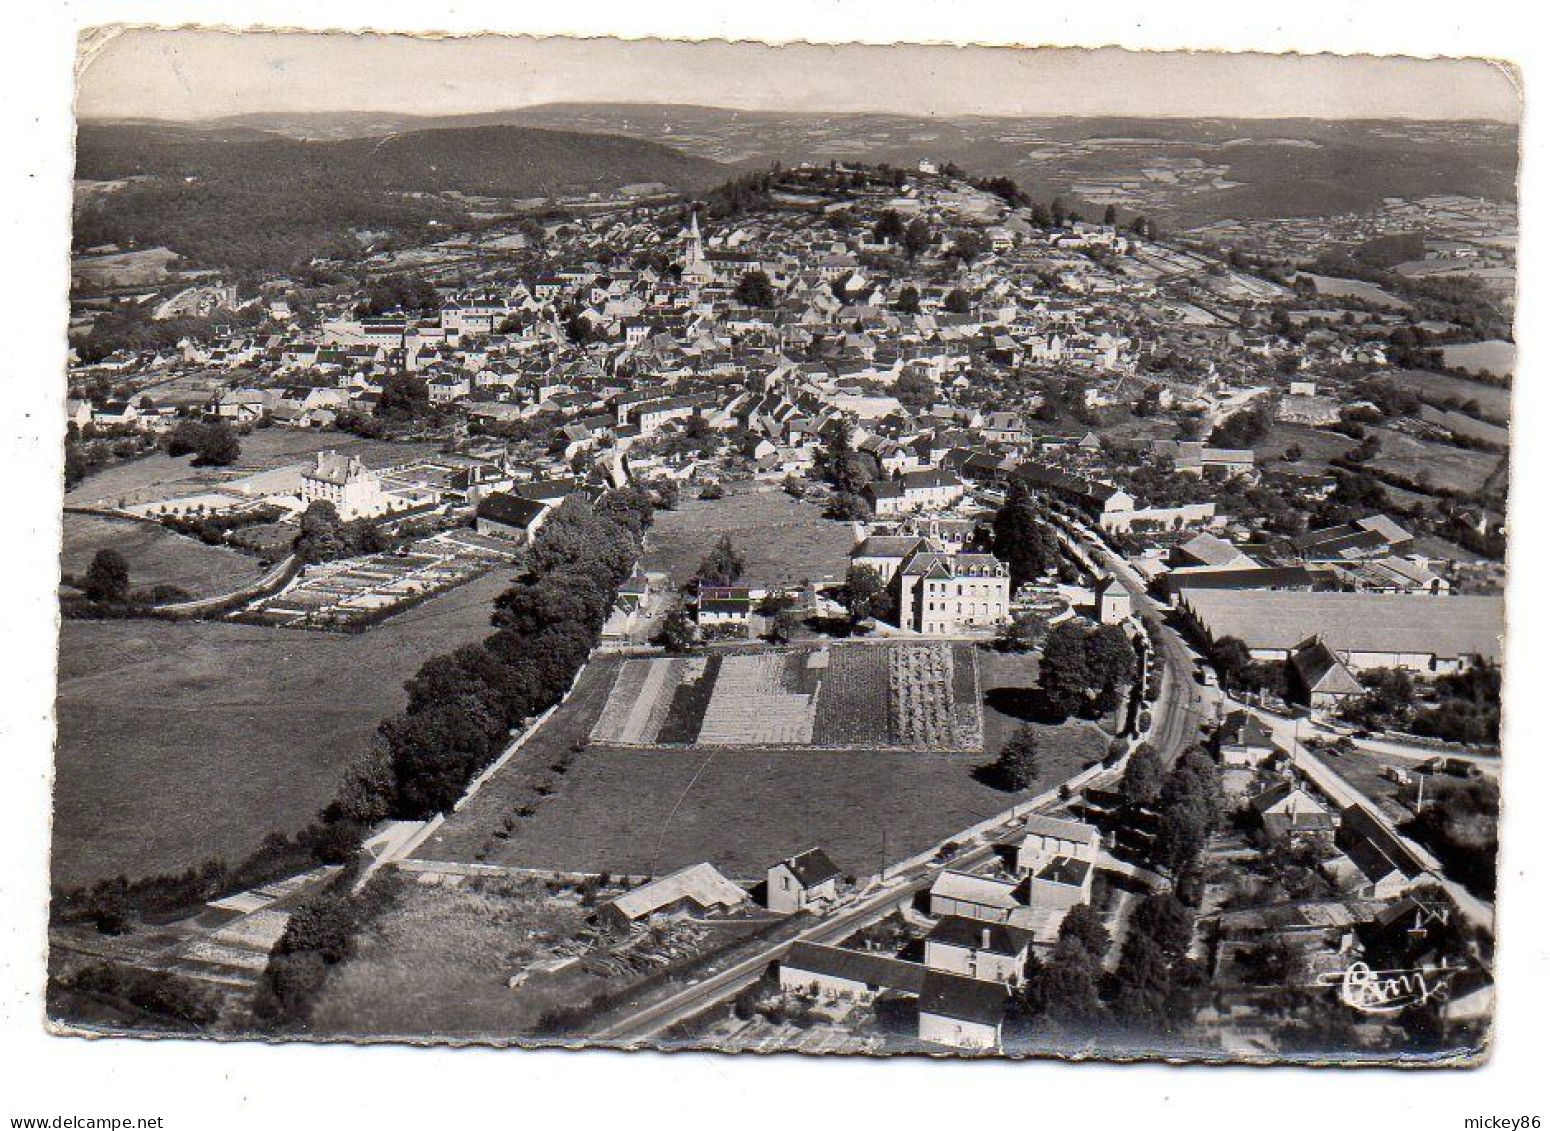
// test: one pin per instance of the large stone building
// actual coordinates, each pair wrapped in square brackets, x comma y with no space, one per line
[354,489]
[940,594]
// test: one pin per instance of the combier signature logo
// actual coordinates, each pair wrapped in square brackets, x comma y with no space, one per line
[1389,991]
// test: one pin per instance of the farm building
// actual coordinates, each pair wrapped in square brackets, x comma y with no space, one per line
[1208,550]
[1178,583]
[1383,867]
[1374,536]
[1320,678]
[1426,635]
[697,888]
[800,881]
[973,897]
[837,972]
[991,952]
[501,514]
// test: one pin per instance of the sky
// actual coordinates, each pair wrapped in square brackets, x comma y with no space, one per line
[191,74]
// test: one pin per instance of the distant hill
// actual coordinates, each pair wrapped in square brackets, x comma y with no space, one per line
[1264,167]
[501,160]
[230,194]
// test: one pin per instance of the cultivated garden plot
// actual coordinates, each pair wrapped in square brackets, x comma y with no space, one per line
[354,591]
[914,696]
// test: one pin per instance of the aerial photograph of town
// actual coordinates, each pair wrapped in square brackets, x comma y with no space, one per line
[660,572]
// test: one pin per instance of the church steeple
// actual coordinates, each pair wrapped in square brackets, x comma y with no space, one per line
[695,268]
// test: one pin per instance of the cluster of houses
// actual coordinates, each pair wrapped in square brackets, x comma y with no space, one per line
[976,951]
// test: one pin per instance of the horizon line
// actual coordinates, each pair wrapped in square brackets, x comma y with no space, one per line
[648,104]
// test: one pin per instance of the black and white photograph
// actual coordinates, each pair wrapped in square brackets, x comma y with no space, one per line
[964,554]
[604,543]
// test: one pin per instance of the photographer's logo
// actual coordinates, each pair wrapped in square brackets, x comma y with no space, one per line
[1389,991]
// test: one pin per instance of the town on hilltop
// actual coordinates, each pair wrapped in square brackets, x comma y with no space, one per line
[852,609]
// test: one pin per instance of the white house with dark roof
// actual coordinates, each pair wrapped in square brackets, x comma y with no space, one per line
[964,1013]
[353,488]
[990,952]
[839,972]
[805,880]
[930,489]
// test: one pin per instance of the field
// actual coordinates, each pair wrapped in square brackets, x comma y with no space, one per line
[915,695]
[1493,357]
[1443,464]
[437,962]
[1495,403]
[486,958]
[639,811]
[159,476]
[123,268]
[1319,445]
[156,556]
[783,540]
[178,742]
[1465,425]
[1358,289]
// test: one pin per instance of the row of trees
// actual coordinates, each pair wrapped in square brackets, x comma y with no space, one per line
[462,705]
[461,710]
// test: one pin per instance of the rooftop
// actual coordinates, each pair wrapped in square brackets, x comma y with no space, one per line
[1454,626]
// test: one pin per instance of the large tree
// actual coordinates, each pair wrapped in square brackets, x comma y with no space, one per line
[1021,539]
[723,565]
[1063,673]
[107,578]
[1017,766]
[863,592]
[217,445]
[1142,781]
[1085,669]
[755,289]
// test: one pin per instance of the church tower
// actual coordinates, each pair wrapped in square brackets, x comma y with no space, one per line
[696,269]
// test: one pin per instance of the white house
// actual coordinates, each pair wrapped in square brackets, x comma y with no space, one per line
[801,881]
[990,952]
[964,1013]
[354,489]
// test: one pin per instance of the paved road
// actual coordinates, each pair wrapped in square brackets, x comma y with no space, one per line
[656,1018]
[1182,705]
